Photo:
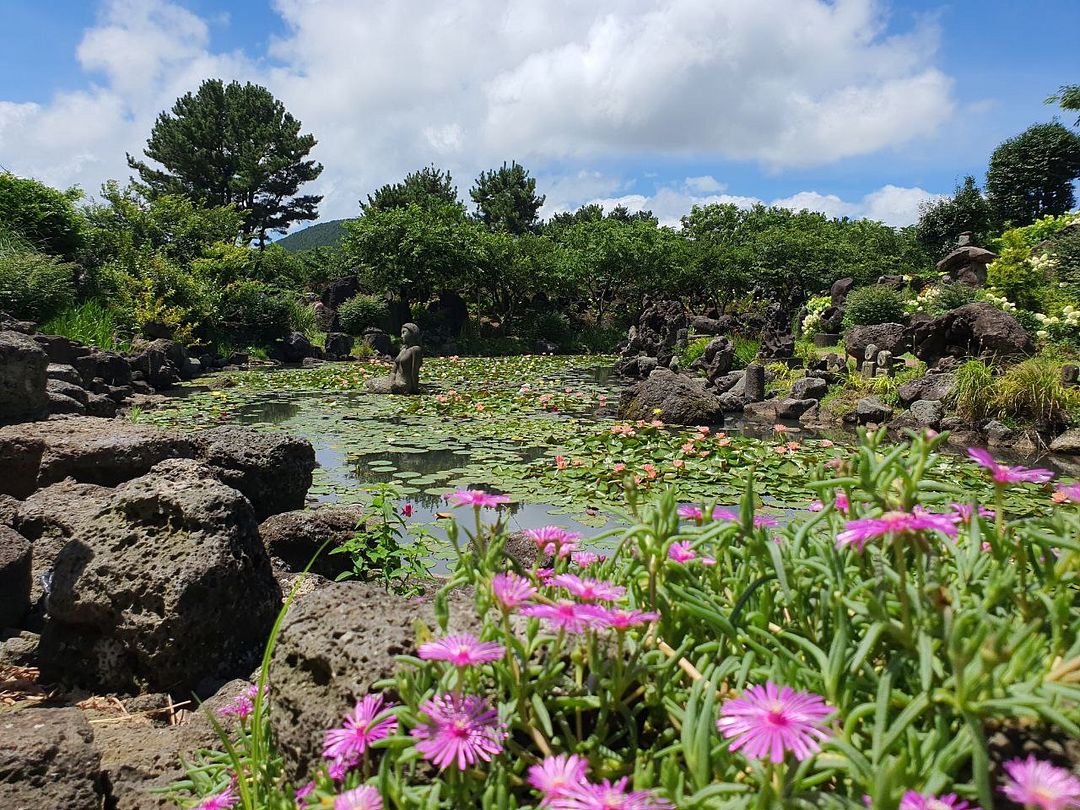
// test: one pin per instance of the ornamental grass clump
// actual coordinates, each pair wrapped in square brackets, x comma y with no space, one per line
[856,654]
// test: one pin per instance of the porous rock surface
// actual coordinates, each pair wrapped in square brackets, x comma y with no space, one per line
[165,585]
[15,555]
[48,759]
[334,644]
[295,537]
[673,398]
[23,365]
[973,330]
[889,337]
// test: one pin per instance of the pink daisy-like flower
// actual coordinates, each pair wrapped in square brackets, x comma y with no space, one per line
[555,775]
[619,619]
[689,512]
[682,551]
[554,540]
[242,706]
[1034,783]
[608,796]
[364,797]
[1069,492]
[476,498]
[584,559]
[734,517]
[964,511]
[892,524]
[461,731]
[841,502]
[220,801]
[461,650]
[923,801]
[512,590]
[564,615]
[1003,474]
[815,506]
[589,590]
[360,729]
[769,720]
[305,791]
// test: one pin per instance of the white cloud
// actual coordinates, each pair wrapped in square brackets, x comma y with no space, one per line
[890,204]
[390,87]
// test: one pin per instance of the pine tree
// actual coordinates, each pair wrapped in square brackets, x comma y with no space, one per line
[506,200]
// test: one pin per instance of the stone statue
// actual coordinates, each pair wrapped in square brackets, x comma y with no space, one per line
[405,377]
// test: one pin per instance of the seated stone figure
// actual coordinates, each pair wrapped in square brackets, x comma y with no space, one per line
[405,376]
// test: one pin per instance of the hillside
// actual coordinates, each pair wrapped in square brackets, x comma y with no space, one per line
[323,234]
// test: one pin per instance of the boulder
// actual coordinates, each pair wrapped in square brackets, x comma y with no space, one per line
[9,510]
[92,450]
[15,556]
[166,586]
[293,348]
[890,337]
[998,433]
[378,341]
[673,398]
[809,388]
[65,373]
[754,383]
[840,289]
[872,409]
[23,373]
[66,389]
[339,291]
[716,360]
[62,349]
[1067,443]
[48,759]
[728,382]
[338,344]
[931,387]
[764,411]
[703,325]
[273,470]
[334,644]
[60,404]
[21,456]
[973,330]
[659,333]
[792,408]
[927,413]
[295,537]
[100,405]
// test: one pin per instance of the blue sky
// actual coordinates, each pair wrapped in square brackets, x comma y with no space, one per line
[856,107]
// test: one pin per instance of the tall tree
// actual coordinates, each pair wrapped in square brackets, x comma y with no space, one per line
[233,144]
[428,188]
[506,200]
[1068,98]
[941,221]
[1031,175]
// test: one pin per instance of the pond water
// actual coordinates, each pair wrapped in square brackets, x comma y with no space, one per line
[539,429]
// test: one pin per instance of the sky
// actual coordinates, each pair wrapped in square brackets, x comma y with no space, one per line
[860,108]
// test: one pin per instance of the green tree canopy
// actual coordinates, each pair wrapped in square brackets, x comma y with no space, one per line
[1031,175]
[43,216]
[506,200]
[1068,98]
[233,144]
[941,221]
[429,187]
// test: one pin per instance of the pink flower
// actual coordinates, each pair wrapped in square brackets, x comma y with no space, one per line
[678,464]
[620,620]
[359,730]
[220,801]
[512,590]
[841,502]
[922,801]
[608,796]
[618,467]
[461,650]
[826,443]
[703,430]
[564,615]
[545,574]
[364,797]
[462,731]
[553,540]
[682,551]
[589,590]
[649,470]
[556,774]
[893,524]
[584,559]
[778,428]
[1003,474]
[305,791]
[729,515]
[767,721]
[407,510]
[476,498]
[1034,783]
[242,706]
[964,512]
[689,512]
[1069,492]
[815,506]
[688,447]
[560,462]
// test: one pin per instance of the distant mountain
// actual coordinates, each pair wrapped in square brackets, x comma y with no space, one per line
[324,234]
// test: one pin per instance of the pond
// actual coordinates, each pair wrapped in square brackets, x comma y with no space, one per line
[540,429]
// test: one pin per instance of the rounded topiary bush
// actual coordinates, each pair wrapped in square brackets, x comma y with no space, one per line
[362,311]
[872,305]
[258,307]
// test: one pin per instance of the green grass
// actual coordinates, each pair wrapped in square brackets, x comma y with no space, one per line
[90,323]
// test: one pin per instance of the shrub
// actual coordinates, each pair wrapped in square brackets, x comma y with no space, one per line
[43,216]
[974,392]
[257,308]
[815,307]
[1018,276]
[91,323]
[1032,389]
[169,296]
[746,351]
[872,305]
[550,326]
[33,285]
[362,311]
